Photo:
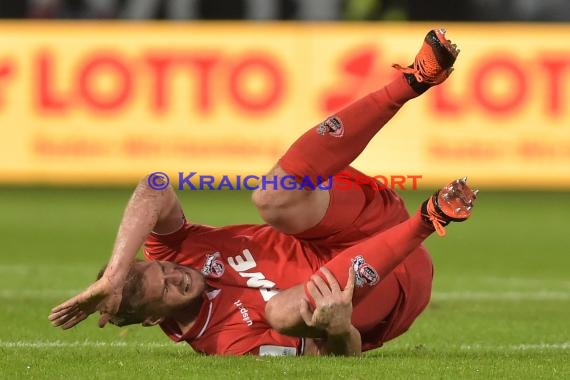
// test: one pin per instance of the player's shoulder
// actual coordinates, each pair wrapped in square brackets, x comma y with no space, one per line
[224,238]
[236,230]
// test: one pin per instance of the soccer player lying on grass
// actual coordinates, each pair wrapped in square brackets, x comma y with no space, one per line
[263,289]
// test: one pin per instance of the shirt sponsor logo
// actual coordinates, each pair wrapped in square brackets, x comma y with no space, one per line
[244,313]
[213,267]
[365,273]
[243,264]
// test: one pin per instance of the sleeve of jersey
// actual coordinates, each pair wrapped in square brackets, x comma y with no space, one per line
[269,343]
[167,247]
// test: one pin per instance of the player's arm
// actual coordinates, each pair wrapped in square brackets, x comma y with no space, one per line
[332,314]
[343,344]
[148,210]
[329,323]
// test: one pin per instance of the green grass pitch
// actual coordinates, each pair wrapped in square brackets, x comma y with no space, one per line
[500,308]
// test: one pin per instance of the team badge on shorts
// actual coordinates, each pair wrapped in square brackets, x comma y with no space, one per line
[333,126]
[365,274]
[213,267]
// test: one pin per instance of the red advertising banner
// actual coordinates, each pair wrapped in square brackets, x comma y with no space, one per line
[109,103]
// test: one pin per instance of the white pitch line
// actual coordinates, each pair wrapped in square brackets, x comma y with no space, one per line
[517,347]
[565,346]
[46,269]
[37,293]
[539,295]
[61,344]
[525,282]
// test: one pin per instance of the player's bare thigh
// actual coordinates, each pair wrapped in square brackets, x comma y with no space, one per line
[290,211]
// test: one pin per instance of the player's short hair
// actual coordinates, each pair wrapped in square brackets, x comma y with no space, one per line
[131,309]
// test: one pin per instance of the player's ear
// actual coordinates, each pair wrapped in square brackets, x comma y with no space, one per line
[152,321]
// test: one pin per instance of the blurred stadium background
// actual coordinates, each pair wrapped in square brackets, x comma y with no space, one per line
[95,94]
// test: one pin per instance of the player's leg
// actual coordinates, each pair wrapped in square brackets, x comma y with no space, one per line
[329,148]
[319,154]
[374,259]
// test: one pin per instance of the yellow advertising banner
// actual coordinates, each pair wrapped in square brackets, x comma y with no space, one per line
[109,103]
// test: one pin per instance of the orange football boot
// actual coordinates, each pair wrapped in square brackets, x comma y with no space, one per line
[453,203]
[433,63]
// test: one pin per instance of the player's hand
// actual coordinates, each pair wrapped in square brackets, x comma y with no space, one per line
[100,296]
[333,312]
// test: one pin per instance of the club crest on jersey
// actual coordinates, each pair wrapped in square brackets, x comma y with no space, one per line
[365,274]
[332,125]
[213,267]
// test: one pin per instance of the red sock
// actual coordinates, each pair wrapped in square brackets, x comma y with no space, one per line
[377,256]
[334,144]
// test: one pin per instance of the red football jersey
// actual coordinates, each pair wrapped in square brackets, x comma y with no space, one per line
[247,264]
[245,256]
[231,322]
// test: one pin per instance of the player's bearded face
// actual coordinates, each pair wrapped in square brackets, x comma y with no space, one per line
[169,287]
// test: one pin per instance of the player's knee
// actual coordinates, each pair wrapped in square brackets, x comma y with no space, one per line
[279,212]
[271,204]
[270,199]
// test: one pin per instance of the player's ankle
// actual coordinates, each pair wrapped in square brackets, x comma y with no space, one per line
[417,87]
